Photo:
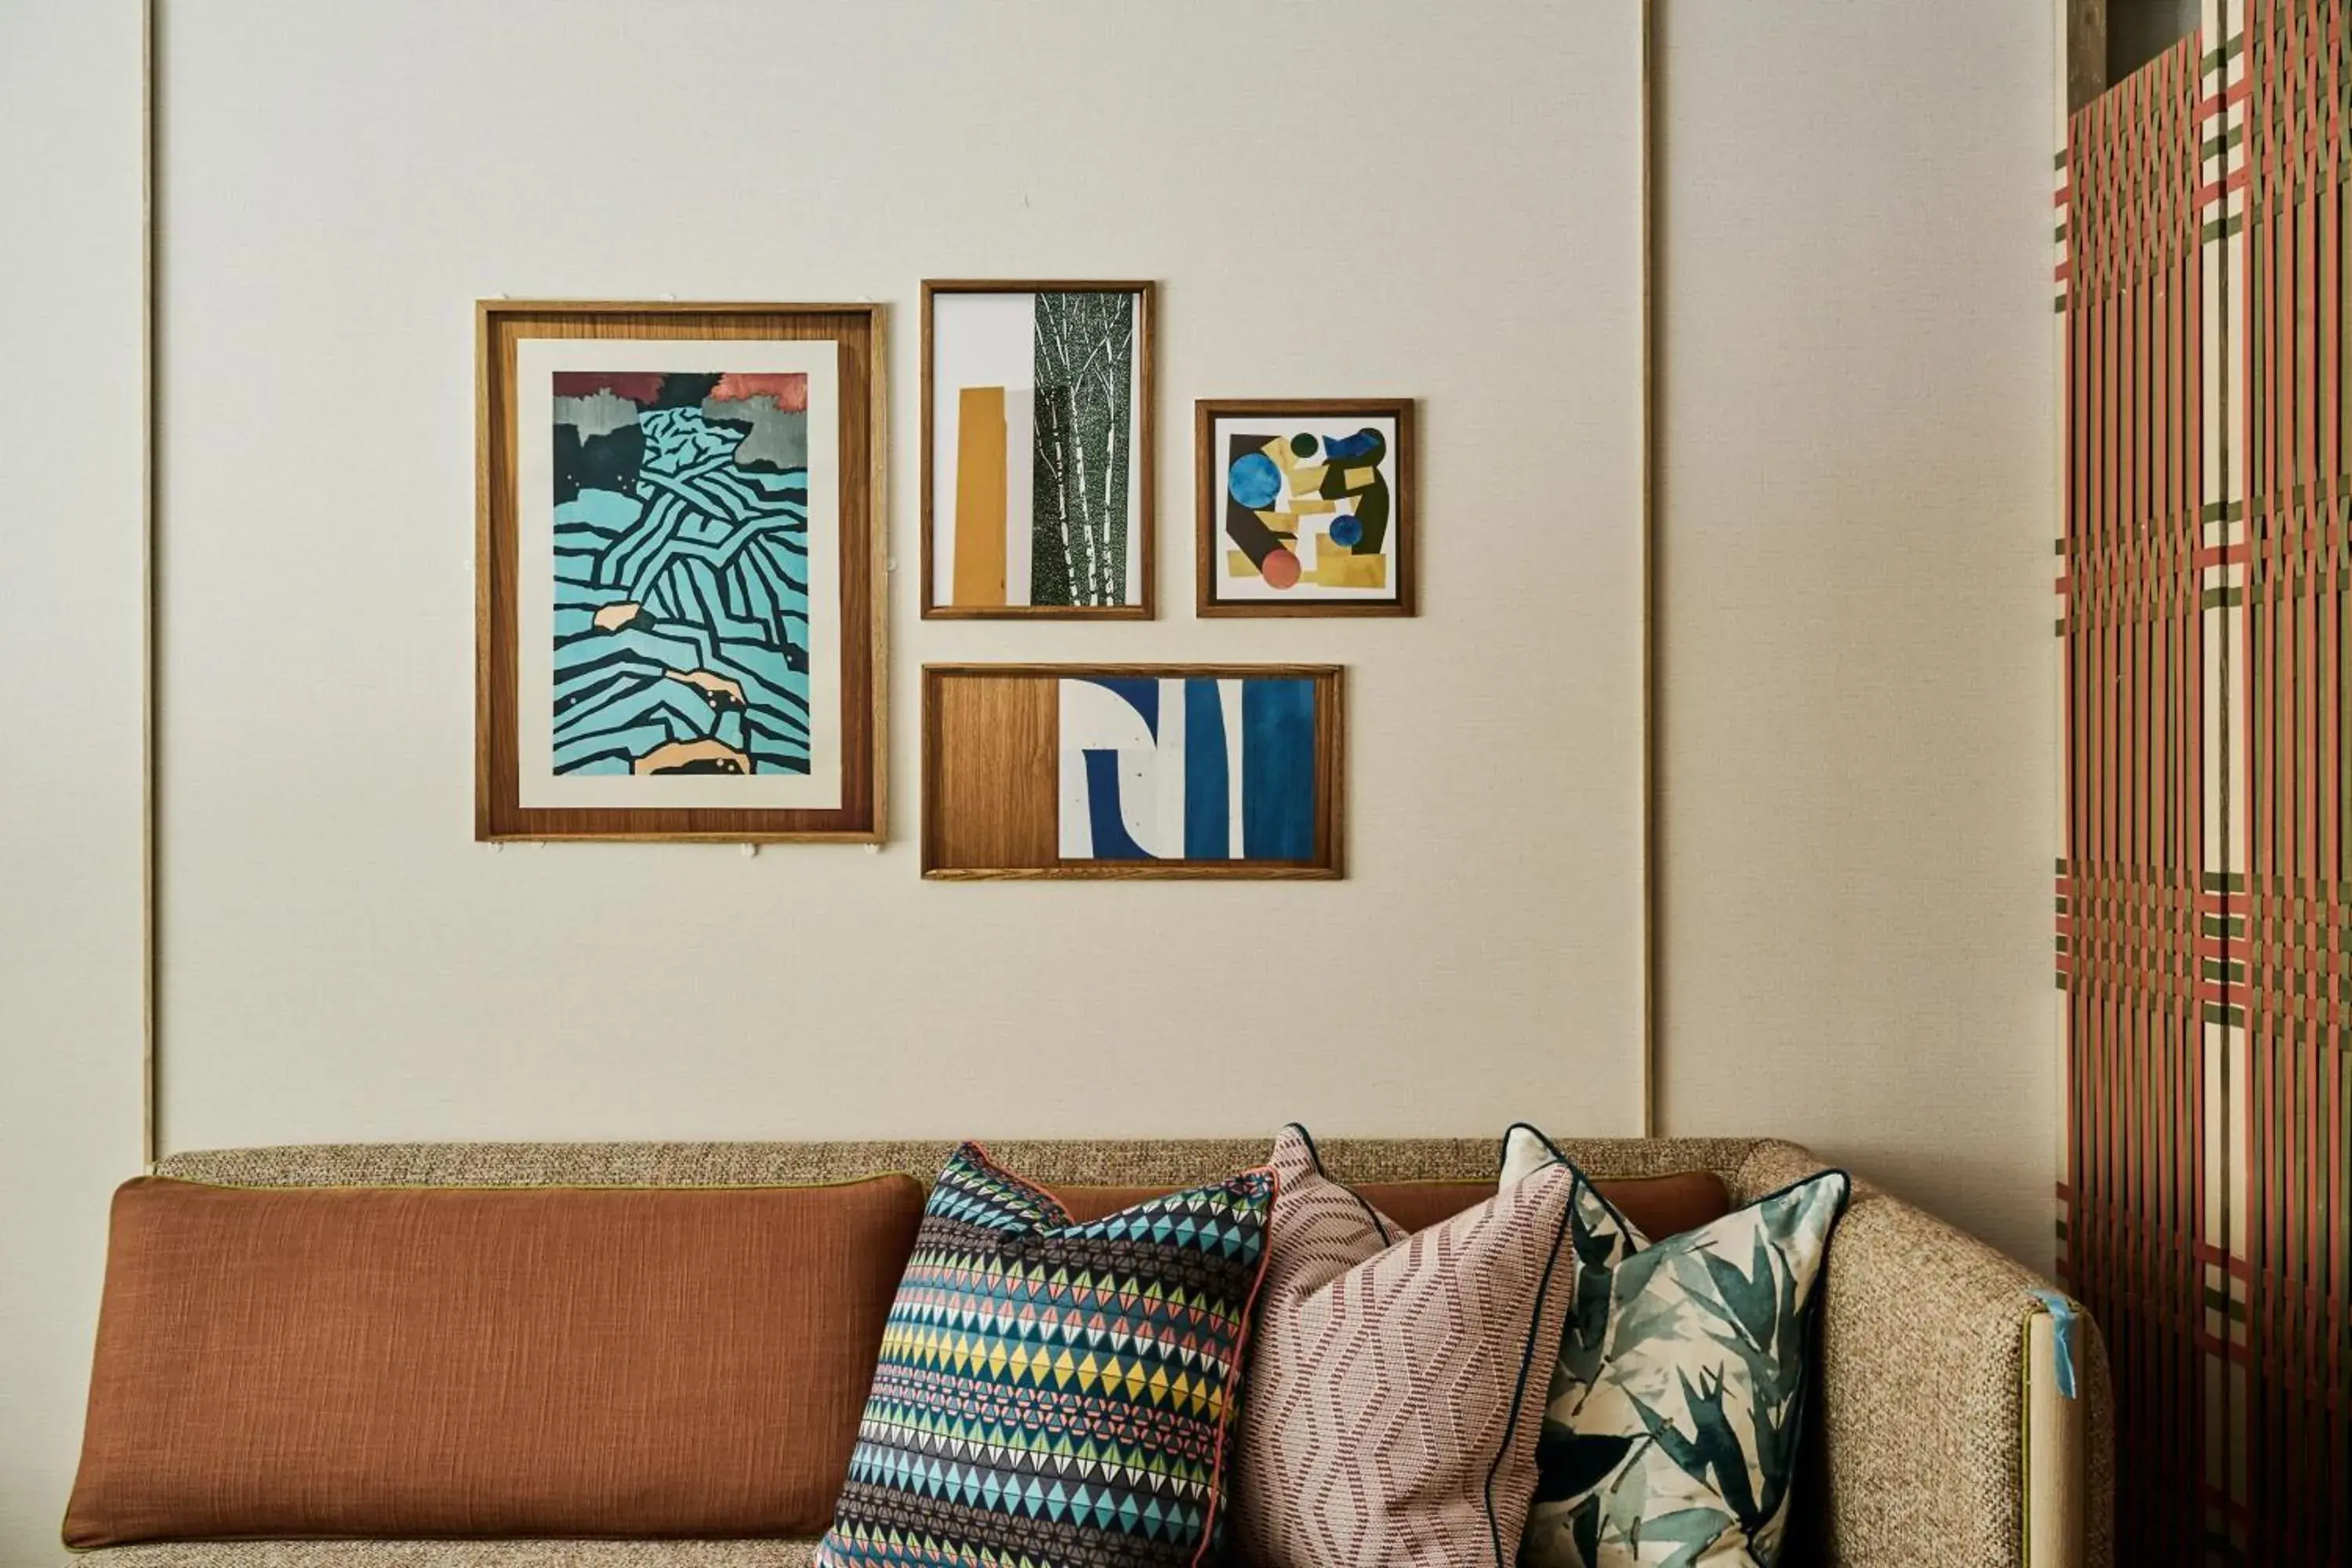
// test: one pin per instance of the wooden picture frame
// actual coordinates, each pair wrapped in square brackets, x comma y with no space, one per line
[982,583]
[1233,576]
[996,780]
[727,766]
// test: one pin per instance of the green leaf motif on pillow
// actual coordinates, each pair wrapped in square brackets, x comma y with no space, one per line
[1677,1402]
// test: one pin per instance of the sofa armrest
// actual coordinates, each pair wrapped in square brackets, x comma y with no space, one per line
[1940,1435]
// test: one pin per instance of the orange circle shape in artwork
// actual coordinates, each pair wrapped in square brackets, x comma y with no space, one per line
[1280,568]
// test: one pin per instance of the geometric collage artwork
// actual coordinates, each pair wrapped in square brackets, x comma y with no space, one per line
[1038,479]
[681,573]
[1307,507]
[1190,768]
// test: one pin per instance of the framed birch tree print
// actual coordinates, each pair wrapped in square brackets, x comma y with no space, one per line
[679,577]
[1037,417]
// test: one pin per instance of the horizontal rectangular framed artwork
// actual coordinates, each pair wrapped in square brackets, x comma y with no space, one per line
[679,581]
[1037,421]
[1306,506]
[1133,770]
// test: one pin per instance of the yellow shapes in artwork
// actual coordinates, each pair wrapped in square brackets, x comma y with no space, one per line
[1335,568]
[1306,478]
[981,495]
[1360,479]
[705,681]
[1239,566]
[693,757]
[1281,524]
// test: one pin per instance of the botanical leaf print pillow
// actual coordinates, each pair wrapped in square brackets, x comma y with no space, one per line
[1678,1399]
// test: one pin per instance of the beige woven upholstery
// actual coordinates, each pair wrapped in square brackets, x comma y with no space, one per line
[1919,1454]
[460,1554]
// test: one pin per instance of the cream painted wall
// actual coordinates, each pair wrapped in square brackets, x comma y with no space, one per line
[1859,718]
[1437,217]
[1859,710]
[69,604]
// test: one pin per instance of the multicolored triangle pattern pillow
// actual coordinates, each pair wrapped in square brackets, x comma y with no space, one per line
[1052,1393]
[1677,1401]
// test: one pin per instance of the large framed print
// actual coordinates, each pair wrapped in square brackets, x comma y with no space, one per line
[679,576]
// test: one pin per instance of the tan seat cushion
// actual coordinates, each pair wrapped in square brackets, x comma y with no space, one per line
[466,1361]
[1661,1205]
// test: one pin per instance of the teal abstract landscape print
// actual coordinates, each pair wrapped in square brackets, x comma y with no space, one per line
[678,626]
[1052,1394]
[1677,1403]
[681,564]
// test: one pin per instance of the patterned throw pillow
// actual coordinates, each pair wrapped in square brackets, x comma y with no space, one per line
[1052,1393]
[1678,1400]
[1396,1382]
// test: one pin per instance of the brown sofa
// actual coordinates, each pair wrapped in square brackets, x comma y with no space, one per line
[1939,1435]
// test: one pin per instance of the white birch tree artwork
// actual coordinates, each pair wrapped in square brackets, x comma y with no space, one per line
[1084,440]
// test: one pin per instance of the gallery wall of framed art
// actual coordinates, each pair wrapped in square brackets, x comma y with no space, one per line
[339,956]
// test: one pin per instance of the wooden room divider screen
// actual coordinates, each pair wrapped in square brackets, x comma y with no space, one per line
[2205,891]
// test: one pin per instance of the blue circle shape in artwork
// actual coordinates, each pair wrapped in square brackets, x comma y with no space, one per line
[1253,480]
[1347,531]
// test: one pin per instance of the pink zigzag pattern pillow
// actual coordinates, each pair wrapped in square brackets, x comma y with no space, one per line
[1396,1383]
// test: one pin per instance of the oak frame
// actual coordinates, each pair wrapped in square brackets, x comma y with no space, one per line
[861,331]
[1208,496]
[1329,864]
[1146,468]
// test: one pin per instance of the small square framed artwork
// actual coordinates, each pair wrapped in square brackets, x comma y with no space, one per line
[1037,450]
[1306,506]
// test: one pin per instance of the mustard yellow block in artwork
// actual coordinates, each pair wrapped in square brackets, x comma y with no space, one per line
[981,495]
[1335,570]
[1307,479]
[1239,566]
[1285,526]
[1360,479]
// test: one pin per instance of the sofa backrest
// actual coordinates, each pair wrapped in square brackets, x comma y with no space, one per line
[435,1340]
[1139,1163]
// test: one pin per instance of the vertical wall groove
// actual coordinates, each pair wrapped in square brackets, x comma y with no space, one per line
[2205,911]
